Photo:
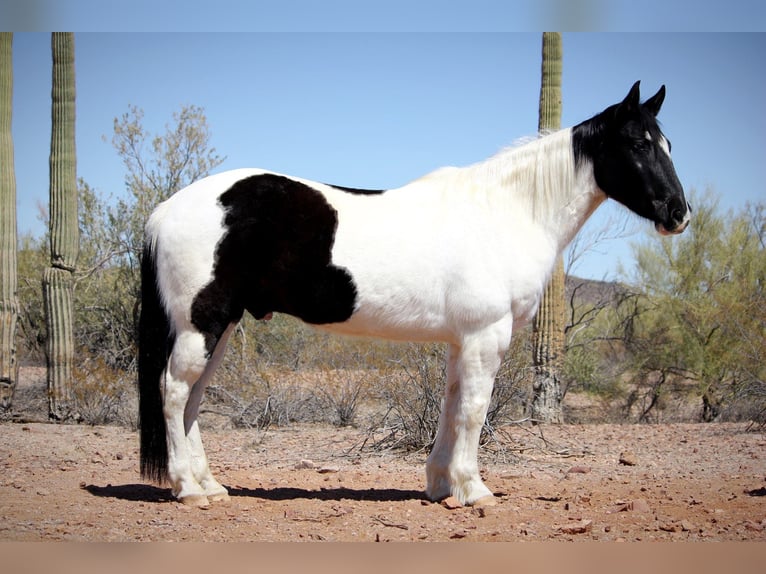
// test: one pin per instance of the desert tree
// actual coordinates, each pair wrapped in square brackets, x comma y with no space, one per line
[157,166]
[700,314]
[107,282]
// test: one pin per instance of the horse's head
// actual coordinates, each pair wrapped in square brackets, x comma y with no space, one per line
[631,161]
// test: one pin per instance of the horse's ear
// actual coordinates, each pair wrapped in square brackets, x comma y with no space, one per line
[631,102]
[653,104]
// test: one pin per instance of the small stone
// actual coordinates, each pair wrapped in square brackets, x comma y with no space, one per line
[581,527]
[451,503]
[485,501]
[305,464]
[640,505]
[328,470]
[342,510]
[579,470]
[628,458]
[686,526]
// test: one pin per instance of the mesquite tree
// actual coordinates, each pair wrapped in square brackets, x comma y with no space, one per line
[9,304]
[697,320]
[550,321]
[64,236]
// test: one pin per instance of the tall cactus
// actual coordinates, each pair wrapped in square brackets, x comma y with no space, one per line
[64,233]
[9,303]
[549,323]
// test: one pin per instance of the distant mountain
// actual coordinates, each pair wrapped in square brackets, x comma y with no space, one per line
[592,292]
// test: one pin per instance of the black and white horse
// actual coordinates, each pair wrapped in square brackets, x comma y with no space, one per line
[460,256]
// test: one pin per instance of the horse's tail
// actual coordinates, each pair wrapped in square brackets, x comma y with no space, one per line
[155,341]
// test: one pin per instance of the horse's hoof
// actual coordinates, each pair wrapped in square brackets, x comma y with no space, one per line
[221,497]
[196,500]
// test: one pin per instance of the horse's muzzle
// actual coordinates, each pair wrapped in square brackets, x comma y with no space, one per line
[662,230]
[678,221]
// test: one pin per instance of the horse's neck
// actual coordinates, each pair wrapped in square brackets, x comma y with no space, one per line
[541,179]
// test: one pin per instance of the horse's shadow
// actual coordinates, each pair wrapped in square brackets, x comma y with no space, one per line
[131,492]
[155,494]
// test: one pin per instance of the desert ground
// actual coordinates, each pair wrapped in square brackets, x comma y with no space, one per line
[671,482]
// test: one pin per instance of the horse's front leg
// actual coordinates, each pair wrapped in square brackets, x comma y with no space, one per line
[452,468]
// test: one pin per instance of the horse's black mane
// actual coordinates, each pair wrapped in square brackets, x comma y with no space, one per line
[588,135]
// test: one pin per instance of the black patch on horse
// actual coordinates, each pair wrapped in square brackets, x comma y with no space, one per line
[357,191]
[275,255]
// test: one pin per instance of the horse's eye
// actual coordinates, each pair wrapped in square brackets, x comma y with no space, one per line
[640,145]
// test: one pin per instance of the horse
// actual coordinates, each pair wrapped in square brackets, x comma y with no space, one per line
[460,256]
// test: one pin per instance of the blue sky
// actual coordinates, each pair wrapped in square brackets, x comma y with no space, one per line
[380,109]
[382,15]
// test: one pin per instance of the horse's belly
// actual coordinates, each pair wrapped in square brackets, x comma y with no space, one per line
[395,320]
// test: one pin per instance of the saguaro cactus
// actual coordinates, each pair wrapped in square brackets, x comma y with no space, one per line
[9,304]
[64,233]
[549,323]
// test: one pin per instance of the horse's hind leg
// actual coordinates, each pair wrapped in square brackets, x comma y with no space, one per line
[189,368]
[214,491]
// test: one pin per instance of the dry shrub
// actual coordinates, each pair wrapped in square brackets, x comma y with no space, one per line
[340,400]
[412,398]
[282,371]
[412,401]
[104,395]
[275,396]
[252,397]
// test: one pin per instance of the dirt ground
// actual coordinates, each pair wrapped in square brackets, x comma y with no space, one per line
[680,482]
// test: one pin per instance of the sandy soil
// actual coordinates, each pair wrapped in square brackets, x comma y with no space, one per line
[589,482]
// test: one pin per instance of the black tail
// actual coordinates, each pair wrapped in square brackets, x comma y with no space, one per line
[155,342]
